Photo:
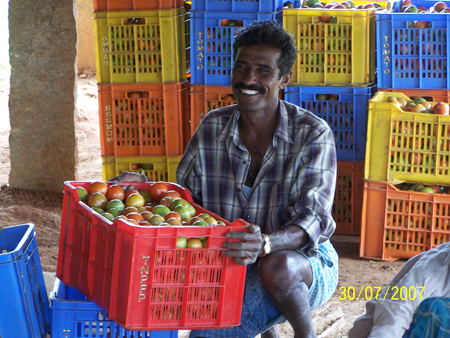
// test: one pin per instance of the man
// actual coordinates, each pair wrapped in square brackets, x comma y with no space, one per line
[274,165]
[415,303]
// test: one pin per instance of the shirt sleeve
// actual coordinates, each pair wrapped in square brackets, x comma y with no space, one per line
[389,315]
[188,170]
[314,188]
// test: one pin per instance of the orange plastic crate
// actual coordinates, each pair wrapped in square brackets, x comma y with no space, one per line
[157,124]
[401,224]
[434,95]
[206,98]
[347,205]
[138,276]
[134,5]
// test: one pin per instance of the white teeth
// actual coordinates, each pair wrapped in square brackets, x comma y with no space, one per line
[249,92]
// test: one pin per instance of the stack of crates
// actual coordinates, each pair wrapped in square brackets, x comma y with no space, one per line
[141,59]
[213,27]
[333,77]
[406,150]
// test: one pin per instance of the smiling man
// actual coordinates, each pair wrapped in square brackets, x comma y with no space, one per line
[273,164]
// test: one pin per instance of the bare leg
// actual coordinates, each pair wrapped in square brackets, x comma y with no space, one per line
[271,333]
[286,276]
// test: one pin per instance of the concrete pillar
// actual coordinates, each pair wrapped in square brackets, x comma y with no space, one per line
[43,55]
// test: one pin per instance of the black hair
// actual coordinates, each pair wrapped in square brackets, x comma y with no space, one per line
[268,32]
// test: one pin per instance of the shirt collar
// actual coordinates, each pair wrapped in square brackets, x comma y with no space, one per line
[282,132]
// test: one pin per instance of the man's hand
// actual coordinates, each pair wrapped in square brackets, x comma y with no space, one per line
[128,176]
[247,251]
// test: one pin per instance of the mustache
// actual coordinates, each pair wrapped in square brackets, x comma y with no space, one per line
[251,87]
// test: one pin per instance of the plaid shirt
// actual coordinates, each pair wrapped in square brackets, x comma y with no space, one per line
[295,184]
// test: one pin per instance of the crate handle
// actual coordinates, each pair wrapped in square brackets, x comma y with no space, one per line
[133,21]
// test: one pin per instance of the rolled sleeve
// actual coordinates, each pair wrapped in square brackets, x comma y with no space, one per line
[314,188]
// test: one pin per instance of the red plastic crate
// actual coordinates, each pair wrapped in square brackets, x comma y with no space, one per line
[135,5]
[161,287]
[401,224]
[154,125]
[347,205]
[110,274]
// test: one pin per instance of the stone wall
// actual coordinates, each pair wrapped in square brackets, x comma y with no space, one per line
[43,50]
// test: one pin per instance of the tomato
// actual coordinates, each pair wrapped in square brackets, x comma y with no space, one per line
[224,22]
[439,6]
[416,158]
[134,166]
[441,111]
[157,189]
[115,192]
[128,210]
[166,201]
[135,200]
[130,191]
[171,193]
[435,188]
[98,186]
[173,214]
[97,200]
[146,215]
[82,193]
[134,95]
[194,243]
[135,216]
[156,219]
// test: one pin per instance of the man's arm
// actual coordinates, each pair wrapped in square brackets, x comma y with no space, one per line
[423,276]
[310,212]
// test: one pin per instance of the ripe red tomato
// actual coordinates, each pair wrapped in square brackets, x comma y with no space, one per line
[115,192]
[98,186]
[157,189]
[441,111]
[171,193]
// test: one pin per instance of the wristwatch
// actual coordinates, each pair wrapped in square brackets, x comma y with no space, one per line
[266,247]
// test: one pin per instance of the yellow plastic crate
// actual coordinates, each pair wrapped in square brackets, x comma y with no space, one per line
[338,54]
[155,168]
[406,147]
[140,46]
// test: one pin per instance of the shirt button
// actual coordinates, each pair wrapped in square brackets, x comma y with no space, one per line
[245,162]
[239,190]
[249,217]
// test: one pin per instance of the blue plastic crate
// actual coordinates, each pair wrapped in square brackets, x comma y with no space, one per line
[241,5]
[346,114]
[413,58]
[24,304]
[74,316]
[211,44]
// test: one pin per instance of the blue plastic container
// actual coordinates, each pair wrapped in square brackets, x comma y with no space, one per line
[241,5]
[346,113]
[74,317]
[211,44]
[24,307]
[413,58]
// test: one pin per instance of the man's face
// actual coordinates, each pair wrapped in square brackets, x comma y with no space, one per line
[255,78]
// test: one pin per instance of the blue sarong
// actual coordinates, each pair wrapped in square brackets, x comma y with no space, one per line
[431,319]
[259,313]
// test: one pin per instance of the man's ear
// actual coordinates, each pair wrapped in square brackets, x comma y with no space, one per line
[284,81]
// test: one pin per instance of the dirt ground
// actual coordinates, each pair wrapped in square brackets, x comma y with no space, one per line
[43,209]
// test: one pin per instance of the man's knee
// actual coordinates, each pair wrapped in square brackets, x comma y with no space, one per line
[284,269]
